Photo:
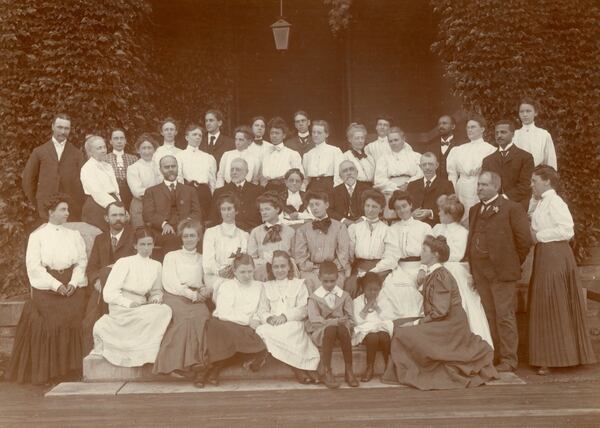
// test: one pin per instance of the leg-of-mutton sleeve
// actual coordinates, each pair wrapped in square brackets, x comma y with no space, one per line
[112,292]
[78,278]
[438,298]
[301,253]
[300,310]
[39,278]
[157,287]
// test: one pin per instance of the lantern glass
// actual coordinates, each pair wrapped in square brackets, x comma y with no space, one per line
[281,34]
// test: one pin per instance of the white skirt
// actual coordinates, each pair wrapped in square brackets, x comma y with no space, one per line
[471,302]
[466,190]
[401,291]
[361,330]
[291,344]
[130,337]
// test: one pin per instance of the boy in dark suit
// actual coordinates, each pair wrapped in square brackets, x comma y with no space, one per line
[346,202]
[215,143]
[512,164]
[444,143]
[426,191]
[301,142]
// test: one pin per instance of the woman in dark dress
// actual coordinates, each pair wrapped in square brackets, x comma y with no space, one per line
[439,351]
[558,335]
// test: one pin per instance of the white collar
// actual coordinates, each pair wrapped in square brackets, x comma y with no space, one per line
[294,194]
[241,183]
[489,201]
[478,141]
[191,253]
[192,149]
[500,149]
[366,220]
[304,134]
[100,164]
[228,229]
[382,139]
[431,180]
[447,140]
[350,186]
[55,227]
[321,292]
[56,143]
[267,224]
[548,193]
[216,135]
[406,222]
[118,152]
[168,145]
[433,267]
[118,235]
[529,126]
[168,183]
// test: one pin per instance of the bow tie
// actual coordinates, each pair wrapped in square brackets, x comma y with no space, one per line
[273,234]
[258,142]
[358,155]
[278,147]
[322,225]
[445,143]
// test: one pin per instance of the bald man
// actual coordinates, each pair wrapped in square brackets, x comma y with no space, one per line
[248,216]
[346,204]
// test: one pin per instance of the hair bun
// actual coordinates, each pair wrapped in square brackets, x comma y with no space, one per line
[441,238]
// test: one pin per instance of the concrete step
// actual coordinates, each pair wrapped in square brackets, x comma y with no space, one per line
[97,369]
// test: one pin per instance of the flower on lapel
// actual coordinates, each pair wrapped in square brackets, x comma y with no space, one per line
[495,209]
[237,253]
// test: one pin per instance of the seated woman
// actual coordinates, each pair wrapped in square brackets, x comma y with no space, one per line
[185,293]
[48,338]
[282,311]
[365,164]
[270,236]
[295,208]
[221,243]
[367,240]
[231,330]
[451,212]
[401,255]
[439,351]
[130,334]
[373,324]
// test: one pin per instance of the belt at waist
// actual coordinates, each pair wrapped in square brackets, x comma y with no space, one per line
[62,275]
[410,259]
[400,176]
[194,183]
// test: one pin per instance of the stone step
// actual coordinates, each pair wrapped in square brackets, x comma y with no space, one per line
[97,369]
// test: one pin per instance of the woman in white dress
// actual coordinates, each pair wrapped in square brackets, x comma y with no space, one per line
[282,311]
[142,175]
[394,172]
[451,212]
[242,139]
[532,139]
[464,164]
[402,255]
[221,243]
[130,334]
[99,183]
[182,347]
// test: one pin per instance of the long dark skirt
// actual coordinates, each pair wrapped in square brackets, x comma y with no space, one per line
[558,334]
[224,339]
[440,355]
[93,214]
[182,345]
[48,338]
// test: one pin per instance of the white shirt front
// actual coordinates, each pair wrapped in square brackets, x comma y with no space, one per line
[224,173]
[552,220]
[182,273]
[323,160]
[279,160]
[288,297]
[378,148]
[367,240]
[59,147]
[219,243]
[119,156]
[260,151]
[444,147]
[196,165]
[237,302]
[294,199]
[99,181]
[466,159]
[329,296]
[538,142]
[164,150]
[405,239]
[390,168]
[212,137]
[142,175]
[365,166]
[57,248]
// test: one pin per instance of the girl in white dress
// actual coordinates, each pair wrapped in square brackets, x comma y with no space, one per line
[142,175]
[464,164]
[130,334]
[282,312]
[242,138]
[451,211]
[221,243]
[532,139]
[373,323]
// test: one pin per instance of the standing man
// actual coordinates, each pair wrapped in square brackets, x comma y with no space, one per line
[215,143]
[302,141]
[426,191]
[498,243]
[120,161]
[379,146]
[443,143]
[54,167]
[512,164]
[346,204]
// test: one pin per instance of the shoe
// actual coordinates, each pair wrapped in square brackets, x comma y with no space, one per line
[351,379]
[212,377]
[543,371]
[313,376]
[301,376]
[368,374]
[329,380]
[199,380]
[255,364]
[504,368]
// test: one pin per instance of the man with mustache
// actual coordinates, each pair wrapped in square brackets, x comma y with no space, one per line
[109,246]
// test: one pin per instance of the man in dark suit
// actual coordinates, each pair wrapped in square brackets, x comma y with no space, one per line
[215,142]
[498,243]
[167,204]
[346,205]
[512,164]
[443,143]
[54,167]
[108,247]
[425,191]
[247,216]
[301,142]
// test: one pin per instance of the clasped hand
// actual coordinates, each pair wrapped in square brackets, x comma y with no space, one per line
[277,319]
[66,290]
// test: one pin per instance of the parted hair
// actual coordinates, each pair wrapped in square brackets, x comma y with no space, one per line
[529,101]
[143,232]
[548,173]
[438,245]
[143,138]
[246,130]
[189,223]
[294,171]
[272,198]
[399,195]
[192,127]
[374,195]
[56,199]
[478,118]
[227,197]
[320,196]
[285,255]
[327,268]
[278,123]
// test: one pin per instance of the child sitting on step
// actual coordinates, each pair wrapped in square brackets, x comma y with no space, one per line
[330,318]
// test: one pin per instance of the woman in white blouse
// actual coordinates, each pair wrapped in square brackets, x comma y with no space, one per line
[142,175]
[395,171]
[558,334]
[242,138]
[48,339]
[451,212]
[282,312]
[532,139]
[279,160]
[365,164]
[464,164]
[182,346]
[221,243]
[130,334]
[260,147]
[99,183]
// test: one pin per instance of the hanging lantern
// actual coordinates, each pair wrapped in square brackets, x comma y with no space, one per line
[281,34]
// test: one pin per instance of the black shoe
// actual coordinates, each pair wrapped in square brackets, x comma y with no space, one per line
[212,377]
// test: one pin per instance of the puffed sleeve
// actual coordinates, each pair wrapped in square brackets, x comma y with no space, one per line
[221,172]
[39,278]
[209,255]
[170,278]
[439,297]
[134,180]
[112,290]
[549,152]
[451,167]
[264,307]
[352,237]
[301,253]
[391,252]
[212,173]
[78,278]
[94,187]
[381,179]
[561,220]
[296,160]
[342,250]
[338,158]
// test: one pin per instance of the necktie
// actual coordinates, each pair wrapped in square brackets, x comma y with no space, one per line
[504,153]
[172,188]
[358,155]
[273,234]
[350,190]
[212,140]
[303,140]
[330,299]
[445,143]
[322,225]
[427,184]
[484,208]
[114,242]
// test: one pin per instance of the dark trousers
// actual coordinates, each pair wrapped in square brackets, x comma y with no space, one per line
[204,197]
[331,334]
[374,342]
[498,299]
[321,185]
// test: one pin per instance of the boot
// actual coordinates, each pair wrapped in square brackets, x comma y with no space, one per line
[350,378]
[368,374]
[328,379]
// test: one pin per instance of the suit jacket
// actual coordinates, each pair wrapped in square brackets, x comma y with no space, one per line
[294,143]
[507,236]
[427,198]
[222,144]
[103,255]
[157,205]
[248,216]
[343,206]
[435,147]
[516,170]
[45,175]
